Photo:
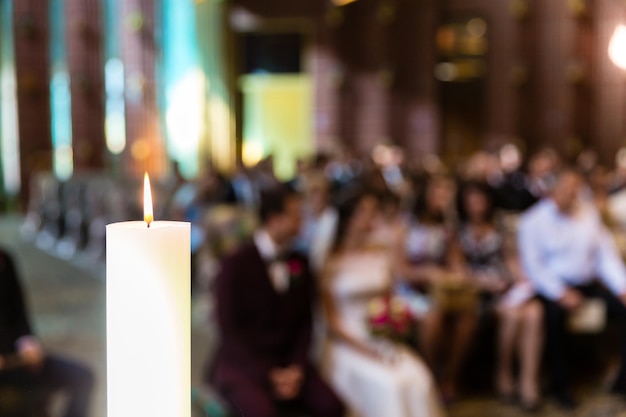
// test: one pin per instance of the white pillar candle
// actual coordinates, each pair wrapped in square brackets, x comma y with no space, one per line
[148,318]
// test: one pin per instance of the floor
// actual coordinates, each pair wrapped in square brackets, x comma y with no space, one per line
[67,302]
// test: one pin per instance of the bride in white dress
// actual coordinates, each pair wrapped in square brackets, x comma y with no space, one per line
[375,378]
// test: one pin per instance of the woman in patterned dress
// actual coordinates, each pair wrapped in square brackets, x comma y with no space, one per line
[494,266]
[425,253]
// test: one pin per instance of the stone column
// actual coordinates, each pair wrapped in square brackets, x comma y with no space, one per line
[414,111]
[323,65]
[32,67]
[364,96]
[370,111]
[609,98]
[554,43]
[145,148]
[85,56]
[502,93]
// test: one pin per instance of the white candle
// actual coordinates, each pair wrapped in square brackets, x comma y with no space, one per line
[148,317]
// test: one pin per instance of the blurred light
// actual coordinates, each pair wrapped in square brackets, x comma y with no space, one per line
[446,39]
[61,113]
[342,2]
[114,76]
[470,45]
[470,68]
[115,121]
[578,7]
[140,150]
[183,118]
[243,20]
[115,131]
[446,71]
[510,157]
[9,134]
[620,158]
[519,8]
[477,27]
[617,47]
[221,119]
[63,162]
[252,153]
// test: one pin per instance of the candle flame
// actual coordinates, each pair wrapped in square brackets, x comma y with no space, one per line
[148,215]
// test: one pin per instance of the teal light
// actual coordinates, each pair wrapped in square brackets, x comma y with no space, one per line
[60,98]
[181,99]
[115,120]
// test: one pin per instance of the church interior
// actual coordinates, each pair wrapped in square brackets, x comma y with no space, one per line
[219,101]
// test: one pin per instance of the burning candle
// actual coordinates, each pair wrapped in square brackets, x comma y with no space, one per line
[148,316]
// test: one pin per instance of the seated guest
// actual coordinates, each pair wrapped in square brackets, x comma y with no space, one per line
[541,171]
[426,253]
[391,220]
[496,271]
[23,362]
[564,248]
[375,376]
[265,299]
[320,221]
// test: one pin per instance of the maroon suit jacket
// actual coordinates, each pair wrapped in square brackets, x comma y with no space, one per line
[260,328]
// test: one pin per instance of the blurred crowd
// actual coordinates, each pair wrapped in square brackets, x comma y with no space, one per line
[384,272]
[456,253]
[224,209]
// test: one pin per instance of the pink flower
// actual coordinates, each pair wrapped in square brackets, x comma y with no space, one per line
[295,268]
[378,312]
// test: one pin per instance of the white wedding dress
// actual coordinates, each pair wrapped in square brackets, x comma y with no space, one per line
[399,386]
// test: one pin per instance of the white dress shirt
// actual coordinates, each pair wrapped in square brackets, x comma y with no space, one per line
[323,237]
[559,250]
[269,251]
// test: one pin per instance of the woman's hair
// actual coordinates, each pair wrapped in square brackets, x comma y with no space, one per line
[346,209]
[420,208]
[480,188]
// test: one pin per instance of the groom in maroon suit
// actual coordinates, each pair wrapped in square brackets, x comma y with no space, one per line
[264,299]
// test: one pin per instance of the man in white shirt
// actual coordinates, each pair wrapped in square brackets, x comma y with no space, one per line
[565,250]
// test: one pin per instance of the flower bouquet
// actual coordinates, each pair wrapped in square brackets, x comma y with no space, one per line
[390,318]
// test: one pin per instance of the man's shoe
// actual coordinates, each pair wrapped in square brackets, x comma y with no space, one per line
[566,401]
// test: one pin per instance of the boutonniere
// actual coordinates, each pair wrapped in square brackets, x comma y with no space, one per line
[296,269]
